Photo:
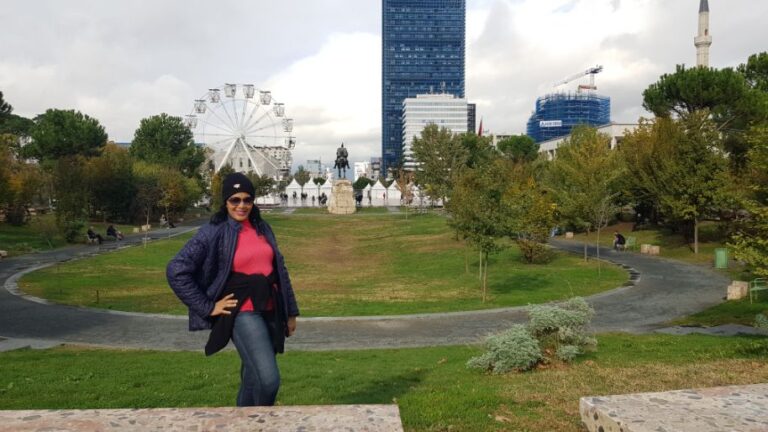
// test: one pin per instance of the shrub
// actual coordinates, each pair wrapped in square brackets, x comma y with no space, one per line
[761,321]
[559,331]
[574,314]
[515,349]
[534,252]
[71,230]
[567,353]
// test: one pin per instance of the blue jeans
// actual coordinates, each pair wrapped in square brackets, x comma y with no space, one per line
[259,375]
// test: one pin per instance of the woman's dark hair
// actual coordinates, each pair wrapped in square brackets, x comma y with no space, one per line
[254,217]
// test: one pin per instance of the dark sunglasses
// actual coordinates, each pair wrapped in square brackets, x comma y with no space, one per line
[235,201]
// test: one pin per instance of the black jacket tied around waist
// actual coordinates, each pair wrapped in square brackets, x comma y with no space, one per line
[259,289]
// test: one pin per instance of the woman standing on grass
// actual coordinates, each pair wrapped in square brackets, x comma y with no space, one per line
[233,279]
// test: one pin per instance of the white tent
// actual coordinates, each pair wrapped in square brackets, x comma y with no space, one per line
[327,189]
[312,191]
[393,194]
[366,196]
[378,195]
[293,191]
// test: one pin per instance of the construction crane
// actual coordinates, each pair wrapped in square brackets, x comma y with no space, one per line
[591,72]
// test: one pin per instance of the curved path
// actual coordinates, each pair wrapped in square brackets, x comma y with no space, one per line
[662,290]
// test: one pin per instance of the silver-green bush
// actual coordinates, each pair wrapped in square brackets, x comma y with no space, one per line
[553,331]
[567,353]
[515,349]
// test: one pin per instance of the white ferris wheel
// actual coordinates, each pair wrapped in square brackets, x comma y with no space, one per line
[240,122]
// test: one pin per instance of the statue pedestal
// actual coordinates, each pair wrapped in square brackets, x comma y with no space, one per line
[342,199]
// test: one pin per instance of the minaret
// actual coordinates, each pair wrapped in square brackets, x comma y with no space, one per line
[704,39]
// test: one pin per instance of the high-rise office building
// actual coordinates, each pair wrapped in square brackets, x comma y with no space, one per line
[443,110]
[423,52]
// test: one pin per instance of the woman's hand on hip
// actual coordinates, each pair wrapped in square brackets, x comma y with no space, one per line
[291,325]
[222,305]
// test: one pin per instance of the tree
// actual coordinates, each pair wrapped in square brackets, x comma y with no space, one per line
[71,194]
[16,125]
[476,213]
[362,182]
[732,97]
[678,165]
[262,184]
[65,133]
[755,71]
[302,176]
[217,184]
[530,213]
[148,189]
[5,107]
[166,140]
[479,150]
[692,90]
[519,148]
[440,155]
[750,242]
[584,177]
[111,183]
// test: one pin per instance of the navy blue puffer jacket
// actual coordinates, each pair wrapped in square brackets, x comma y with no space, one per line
[197,274]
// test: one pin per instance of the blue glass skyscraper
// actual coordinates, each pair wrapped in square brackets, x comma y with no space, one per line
[423,52]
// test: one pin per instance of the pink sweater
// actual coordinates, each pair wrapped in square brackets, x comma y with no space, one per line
[253,255]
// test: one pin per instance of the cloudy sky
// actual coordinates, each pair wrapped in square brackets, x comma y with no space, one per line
[121,61]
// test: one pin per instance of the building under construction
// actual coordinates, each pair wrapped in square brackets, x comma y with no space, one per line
[557,113]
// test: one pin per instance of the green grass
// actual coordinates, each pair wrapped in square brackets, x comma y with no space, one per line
[342,266]
[28,238]
[673,245]
[19,240]
[431,386]
[730,312]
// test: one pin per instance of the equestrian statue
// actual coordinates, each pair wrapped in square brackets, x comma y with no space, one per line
[341,161]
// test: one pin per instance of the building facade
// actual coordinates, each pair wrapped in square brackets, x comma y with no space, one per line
[362,169]
[443,110]
[423,51]
[471,116]
[556,114]
[616,131]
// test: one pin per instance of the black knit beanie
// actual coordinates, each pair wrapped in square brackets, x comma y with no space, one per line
[234,183]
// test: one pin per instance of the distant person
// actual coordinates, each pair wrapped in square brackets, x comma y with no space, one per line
[233,279]
[618,241]
[112,232]
[93,236]
[165,222]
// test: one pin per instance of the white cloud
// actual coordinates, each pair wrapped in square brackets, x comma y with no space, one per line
[334,99]
[122,61]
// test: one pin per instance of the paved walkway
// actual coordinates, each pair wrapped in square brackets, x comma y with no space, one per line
[662,290]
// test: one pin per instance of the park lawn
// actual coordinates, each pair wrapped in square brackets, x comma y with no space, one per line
[29,238]
[729,312]
[342,266]
[672,245]
[19,240]
[432,387]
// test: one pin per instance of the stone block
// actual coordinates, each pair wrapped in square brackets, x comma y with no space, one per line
[737,290]
[136,230]
[569,234]
[373,418]
[3,254]
[654,250]
[733,408]
[145,228]
[645,248]
[342,199]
